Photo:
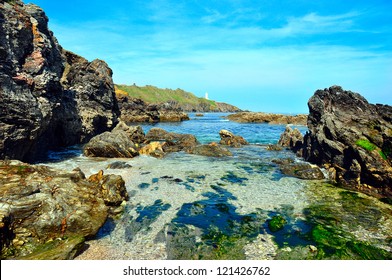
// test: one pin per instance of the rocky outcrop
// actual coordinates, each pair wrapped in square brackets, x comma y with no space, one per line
[229,139]
[352,138]
[292,139]
[49,97]
[252,117]
[136,110]
[40,204]
[175,142]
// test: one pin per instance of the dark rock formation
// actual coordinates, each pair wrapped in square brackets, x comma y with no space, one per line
[48,97]
[39,204]
[136,110]
[251,117]
[302,171]
[352,138]
[210,150]
[229,139]
[175,142]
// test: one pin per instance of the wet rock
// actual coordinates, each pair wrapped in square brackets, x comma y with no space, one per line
[154,149]
[229,139]
[58,249]
[112,187]
[291,138]
[274,148]
[39,204]
[210,150]
[252,117]
[302,171]
[353,137]
[276,223]
[119,165]
[175,142]
[50,98]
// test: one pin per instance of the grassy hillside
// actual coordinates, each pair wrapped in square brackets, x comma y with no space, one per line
[186,100]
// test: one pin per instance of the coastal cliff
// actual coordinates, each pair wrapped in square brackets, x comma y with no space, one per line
[49,97]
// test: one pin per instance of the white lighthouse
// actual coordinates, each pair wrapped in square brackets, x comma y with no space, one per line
[206,96]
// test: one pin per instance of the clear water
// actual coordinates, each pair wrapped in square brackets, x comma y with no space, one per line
[189,207]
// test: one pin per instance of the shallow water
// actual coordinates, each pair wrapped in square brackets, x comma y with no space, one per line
[193,207]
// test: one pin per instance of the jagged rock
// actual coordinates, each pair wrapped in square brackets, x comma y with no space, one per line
[135,133]
[154,149]
[353,138]
[112,187]
[175,142]
[210,150]
[49,97]
[229,139]
[116,143]
[253,117]
[39,204]
[291,138]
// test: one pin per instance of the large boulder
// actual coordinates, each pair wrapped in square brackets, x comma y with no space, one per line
[114,144]
[50,98]
[352,138]
[228,138]
[40,204]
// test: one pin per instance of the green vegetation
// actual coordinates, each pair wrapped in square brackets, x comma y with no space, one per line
[276,223]
[367,145]
[153,94]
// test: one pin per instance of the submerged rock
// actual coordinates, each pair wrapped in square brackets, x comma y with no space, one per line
[301,170]
[210,150]
[229,139]
[39,204]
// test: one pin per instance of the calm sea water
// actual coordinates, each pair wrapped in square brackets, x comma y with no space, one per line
[193,207]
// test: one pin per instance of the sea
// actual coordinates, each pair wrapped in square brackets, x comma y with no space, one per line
[241,207]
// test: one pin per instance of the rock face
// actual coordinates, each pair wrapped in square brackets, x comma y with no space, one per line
[229,139]
[39,204]
[136,110]
[49,97]
[251,117]
[352,138]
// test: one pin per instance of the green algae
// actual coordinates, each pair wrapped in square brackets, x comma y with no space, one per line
[276,223]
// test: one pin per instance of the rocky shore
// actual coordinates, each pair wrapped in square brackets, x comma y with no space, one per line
[254,117]
[349,137]
[50,97]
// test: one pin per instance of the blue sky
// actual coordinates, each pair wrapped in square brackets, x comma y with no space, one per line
[266,55]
